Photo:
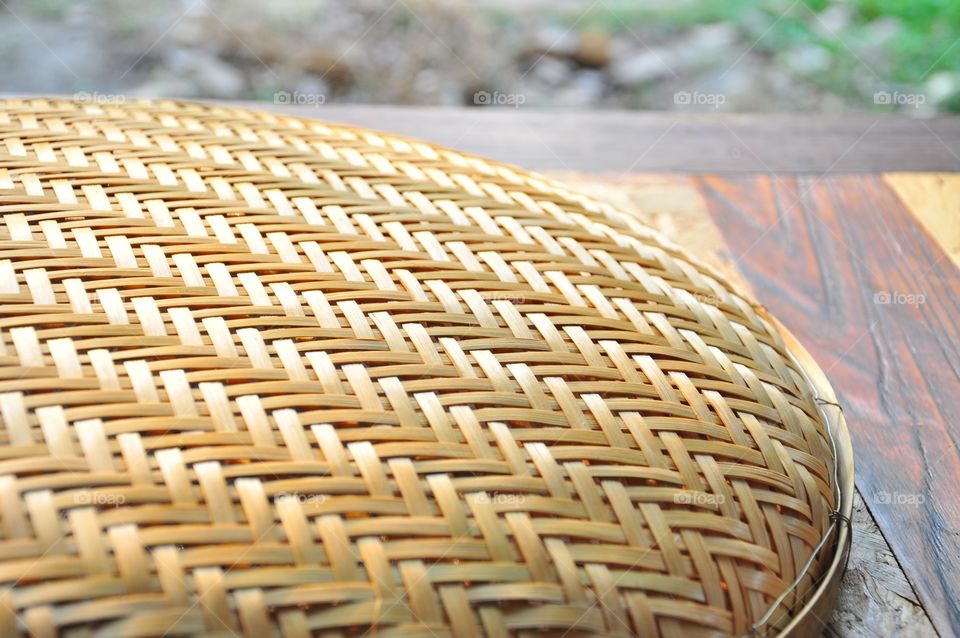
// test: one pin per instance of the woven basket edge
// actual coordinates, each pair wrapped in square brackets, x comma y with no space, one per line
[811,619]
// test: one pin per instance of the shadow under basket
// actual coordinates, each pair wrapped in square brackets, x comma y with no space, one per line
[261,375]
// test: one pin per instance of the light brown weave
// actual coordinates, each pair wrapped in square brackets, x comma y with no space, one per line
[262,375]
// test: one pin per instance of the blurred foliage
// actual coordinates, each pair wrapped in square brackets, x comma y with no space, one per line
[927,39]
[844,48]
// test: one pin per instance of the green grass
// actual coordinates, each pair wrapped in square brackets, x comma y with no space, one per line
[928,40]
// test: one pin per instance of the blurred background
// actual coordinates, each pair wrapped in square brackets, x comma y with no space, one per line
[811,56]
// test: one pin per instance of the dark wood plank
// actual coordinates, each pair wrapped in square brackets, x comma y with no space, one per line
[848,269]
[650,141]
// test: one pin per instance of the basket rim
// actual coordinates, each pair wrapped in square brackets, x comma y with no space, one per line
[821,599]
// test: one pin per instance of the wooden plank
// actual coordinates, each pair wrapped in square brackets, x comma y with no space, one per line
[875,598]
[599,141]
[849,271]
[934,199]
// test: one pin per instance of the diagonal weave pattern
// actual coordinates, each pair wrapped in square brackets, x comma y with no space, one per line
[262,375]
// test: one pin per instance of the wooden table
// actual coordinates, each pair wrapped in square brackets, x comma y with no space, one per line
[848,230]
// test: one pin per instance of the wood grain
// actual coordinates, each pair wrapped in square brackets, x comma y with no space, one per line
[844,264]
[609,140]
[875,598]
[934,199]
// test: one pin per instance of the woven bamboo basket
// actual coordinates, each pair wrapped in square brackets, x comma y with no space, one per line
[263,376]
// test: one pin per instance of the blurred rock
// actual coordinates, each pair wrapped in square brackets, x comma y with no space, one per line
[165,84]
[208,76]
[586,89]
[882,30]
[550,71]
[551,40]
[755,24]
[941,86]
[593,50]
[328,65]
[832,21]
[874,41]
[808,59]
[710,38]
[640,67]
[312,85]
[697,48]
[432,88]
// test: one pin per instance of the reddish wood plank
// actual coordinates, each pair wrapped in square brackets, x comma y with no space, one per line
[847,268]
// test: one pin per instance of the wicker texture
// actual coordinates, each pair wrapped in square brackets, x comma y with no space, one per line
[262,375]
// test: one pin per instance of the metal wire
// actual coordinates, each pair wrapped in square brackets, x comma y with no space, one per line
[837,518]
